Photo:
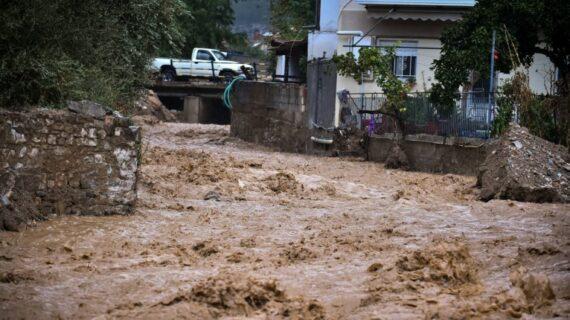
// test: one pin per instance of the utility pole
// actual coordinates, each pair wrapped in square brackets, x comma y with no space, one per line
[491,79]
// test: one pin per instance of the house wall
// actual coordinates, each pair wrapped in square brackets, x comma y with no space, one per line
[424,75]
[541,74]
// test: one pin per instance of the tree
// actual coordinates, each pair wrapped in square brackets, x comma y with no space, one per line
[52,51]
[379,62]
[523,27]
[208,24]
[289,16]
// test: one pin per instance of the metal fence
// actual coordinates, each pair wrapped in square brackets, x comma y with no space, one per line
[472,115]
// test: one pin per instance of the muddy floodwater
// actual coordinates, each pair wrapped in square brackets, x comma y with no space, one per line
[227,229]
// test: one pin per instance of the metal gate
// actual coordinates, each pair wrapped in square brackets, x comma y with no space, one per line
[321,95]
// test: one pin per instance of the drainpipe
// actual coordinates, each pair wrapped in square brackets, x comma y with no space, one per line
[328,141]
[349,33]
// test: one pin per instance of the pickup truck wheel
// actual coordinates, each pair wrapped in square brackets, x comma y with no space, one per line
[227,74]
[168,74]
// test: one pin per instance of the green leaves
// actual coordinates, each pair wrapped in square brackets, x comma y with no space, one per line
[379,63]
[524,28]
[51,51]
[206,23]
[289,16]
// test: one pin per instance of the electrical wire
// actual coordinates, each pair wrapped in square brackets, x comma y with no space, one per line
[374,27]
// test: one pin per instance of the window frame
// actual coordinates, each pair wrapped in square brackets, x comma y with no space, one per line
[208,53]
[401,57]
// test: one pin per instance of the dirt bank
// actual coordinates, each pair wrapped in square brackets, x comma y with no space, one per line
[524,167]
[229,229]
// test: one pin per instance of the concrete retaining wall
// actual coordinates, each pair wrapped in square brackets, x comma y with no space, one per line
[68,163]
[431,153]
[205,110]
[272,114]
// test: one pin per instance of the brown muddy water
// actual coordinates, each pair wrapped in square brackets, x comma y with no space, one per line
[287,236]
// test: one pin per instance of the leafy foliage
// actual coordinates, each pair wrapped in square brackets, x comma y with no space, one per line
[379,62]
[208,24]
[523,27]
[52,51]
[504,115]
[289,16]
[545,117]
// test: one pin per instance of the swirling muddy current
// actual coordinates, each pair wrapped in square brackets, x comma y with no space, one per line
[227,229]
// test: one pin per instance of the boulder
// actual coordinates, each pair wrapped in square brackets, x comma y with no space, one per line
[524,167]
[89,108]
[149,104]
[16,207]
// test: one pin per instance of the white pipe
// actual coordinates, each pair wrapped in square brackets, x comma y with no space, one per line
[322,140]
[350,33]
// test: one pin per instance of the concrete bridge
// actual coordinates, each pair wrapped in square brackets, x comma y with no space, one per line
[199,101]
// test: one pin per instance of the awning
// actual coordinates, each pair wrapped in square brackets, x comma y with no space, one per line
[415,14]
[286,46]
[423,3]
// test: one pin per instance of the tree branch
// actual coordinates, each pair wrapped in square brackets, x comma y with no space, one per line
[378,111]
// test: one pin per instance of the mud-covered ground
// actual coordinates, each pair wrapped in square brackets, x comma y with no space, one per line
[229,229]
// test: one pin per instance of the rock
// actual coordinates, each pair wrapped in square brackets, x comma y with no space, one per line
[149,105]
[10,224]
[4,200]
[41,194]
[89,108]
[349,141]
[212,195]
[7,183]
[16,205]
[523,167]
[375,267]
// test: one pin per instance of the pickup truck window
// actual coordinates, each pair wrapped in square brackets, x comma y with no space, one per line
[204,55]
[219,55]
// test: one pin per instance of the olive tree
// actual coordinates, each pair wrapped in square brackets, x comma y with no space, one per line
[379,63]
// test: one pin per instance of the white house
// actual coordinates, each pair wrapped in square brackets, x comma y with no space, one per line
[415,24]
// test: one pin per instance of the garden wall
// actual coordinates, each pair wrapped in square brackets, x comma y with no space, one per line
[61,162]
[432,153]
[272,114]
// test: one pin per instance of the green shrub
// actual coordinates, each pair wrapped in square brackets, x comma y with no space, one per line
[52,51]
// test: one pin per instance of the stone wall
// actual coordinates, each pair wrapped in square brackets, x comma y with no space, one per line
[67,163]
[431,153]
[272,114]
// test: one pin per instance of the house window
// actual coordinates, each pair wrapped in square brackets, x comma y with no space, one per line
[405,66]
[405,63]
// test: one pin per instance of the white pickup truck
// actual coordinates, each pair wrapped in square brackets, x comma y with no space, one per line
[204,63]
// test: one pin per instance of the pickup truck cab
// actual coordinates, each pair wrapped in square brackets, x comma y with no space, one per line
[204,63]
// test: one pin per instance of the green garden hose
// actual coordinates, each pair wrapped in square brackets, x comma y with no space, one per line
[228,91]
